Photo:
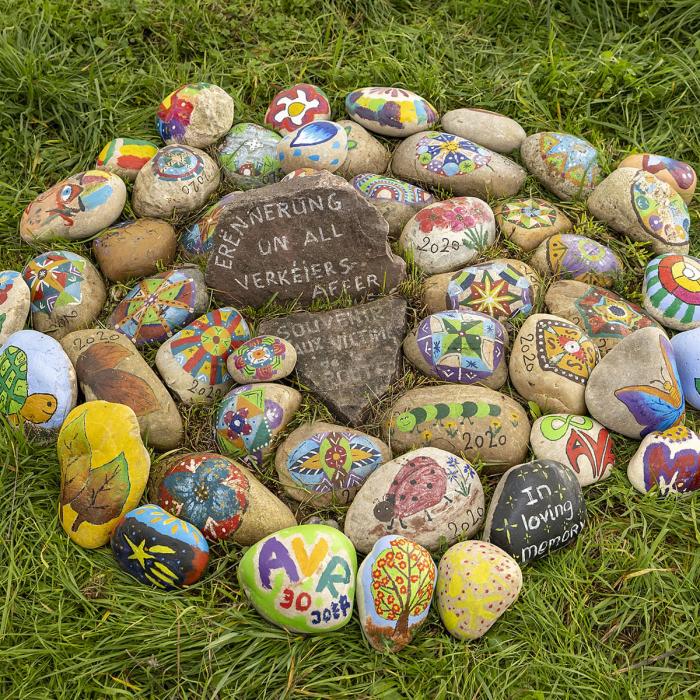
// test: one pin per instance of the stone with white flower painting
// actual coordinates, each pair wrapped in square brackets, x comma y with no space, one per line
[490,129]
[14,303]
[366,154]
[528,221]
[293,107]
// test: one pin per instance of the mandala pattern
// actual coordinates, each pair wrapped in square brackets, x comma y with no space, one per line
[564,350]
[199,238]
[55,280]
[581,258]
[177,164]
[528,213]
[175,110]
[448,155]
[249,155]
[390,107]
[261,359]
[299,105]
[672,284]
[604,314]
[388,188]
[570,158]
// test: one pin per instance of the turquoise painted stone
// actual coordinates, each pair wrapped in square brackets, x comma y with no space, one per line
[301,578]
[672,291]
[248,156]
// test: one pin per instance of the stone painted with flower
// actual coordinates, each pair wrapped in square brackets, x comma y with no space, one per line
[14,303]
[125,157]
[679,175]
[440,160]
[198,239]
[248,156]
[296,106]
[104,470]
[639,205]
[159,549]
[395,586]
[477,583]
[196,114]
[366,154]
[301,578]
[429,496]
[447,235]
[250,418]
[667,463]
[322,464]
[222,498]
[566,165]
[461,346]
[265,358]
[66,292]
[490,129]
[390,111]
[321,145]
[193,361]
[528,221]
[177,180]
[75,208]
[686,350]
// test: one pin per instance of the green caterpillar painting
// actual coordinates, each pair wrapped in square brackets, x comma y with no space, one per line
[408,420]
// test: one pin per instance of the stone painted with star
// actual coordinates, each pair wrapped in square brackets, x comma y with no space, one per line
[528,221]
[14,303]
[322,145]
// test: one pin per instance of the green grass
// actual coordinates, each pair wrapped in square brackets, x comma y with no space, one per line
[617,615]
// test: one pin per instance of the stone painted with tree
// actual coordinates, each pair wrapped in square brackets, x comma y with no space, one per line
[395,586]
[686,350]
[125,157]
[301,578]
[644,208]
[460,166]
[461,346]
[566,165]
[15,300]
[447,235]
[265,358]
[322,464]
[528,221]
[489,129]
[221,498]
[104,470]
[248,156]
[478,423]
[197,240]
[296,106]
[679,175]
[159,549]
[74,208]
[429,496]
[536,509]
[366,154]
[477,583]
[321,145]
[635,389]
[551,362]
[250,417]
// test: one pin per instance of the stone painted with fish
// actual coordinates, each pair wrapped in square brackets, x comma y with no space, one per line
[528,221]
[248,156]
[296,106]
[489,129]
[321,145]
[14,303]
[125,157]
[679,175]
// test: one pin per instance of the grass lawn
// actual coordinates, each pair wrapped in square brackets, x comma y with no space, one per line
[617,615]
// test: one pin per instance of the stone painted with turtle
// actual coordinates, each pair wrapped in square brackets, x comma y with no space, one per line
[301,578]
[679,175]
[686,350]
[321,145]
[265,358]
[14,303]
[296,106]
[125,157]
[671,291]
[248,156]
[198,239]
[528,221]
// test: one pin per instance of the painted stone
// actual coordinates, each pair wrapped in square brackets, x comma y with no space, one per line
[160,305]
[322,464]
[125,157]
[301,578]
[198,239]
[322,145]
[668,461]
[528,221]
[568,256]
[296,106]
[221,498]
[679,175]
[74,208]
[447,235]
[472,421]
[635,389]
[490,129]
[505,289]
[551,361]
[686,350]
[307,239]
[14,303]
[566,165]
[158,549]
[390,111]
[300,172]
[104,470]
[429,496]
[248,156]
[250,417]
[477,583]
[672,291]
[460,346]
[177,180]
[38,388]
[193,361]
[396,201]
[134,249]
[536,509]
[266,358]
[66,292]
[196,114]
[457,165]
[395,585]
[110,368]
[605,317]
[578,442]
[366,154]
[641,206]
[347,358]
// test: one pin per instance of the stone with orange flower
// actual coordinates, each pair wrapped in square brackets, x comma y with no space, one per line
[265,358]
[295,106]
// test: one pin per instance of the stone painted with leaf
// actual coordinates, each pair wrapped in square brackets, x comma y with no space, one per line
[301,578]
[321,145]
[679,175]
[528,221]
[686,350]
[159,549]
[248,156]
[265,358]
[104,470]
[366,154]
[14,303]
[125,157]
[395,586]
